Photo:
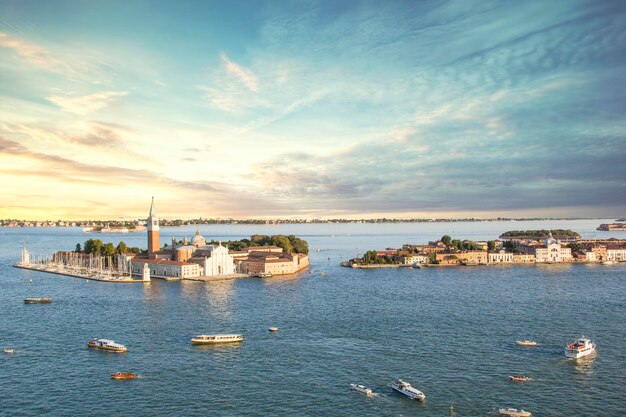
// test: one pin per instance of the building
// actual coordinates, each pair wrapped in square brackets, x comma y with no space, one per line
[617,254]
[523,258]
[550,251]
[269,260]
[154,241]
[500,257]
[414,258]
[165,268]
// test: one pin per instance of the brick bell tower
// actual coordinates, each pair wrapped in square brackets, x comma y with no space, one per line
[154,241]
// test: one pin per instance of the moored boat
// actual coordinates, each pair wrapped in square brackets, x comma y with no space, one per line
[519,378]
[38,300]
[406,389]
[581,347]
[205,339]
[526,343]
[105,344]
[514,412]
[124,375]
[362,389]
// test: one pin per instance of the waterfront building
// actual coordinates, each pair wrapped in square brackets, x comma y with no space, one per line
[462,257]
[599,252]
[616,254]
[165,268]
[550,251]
[269,259]
[524,258]
[500,257]
[154,242]
[413,258]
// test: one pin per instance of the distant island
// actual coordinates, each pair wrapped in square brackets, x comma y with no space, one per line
[562,234]
[612,227]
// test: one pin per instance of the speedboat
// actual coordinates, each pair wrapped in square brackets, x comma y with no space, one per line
[581,347]
[514,412]
[519,378]
[206,339]
[526,343]
[406,389]
[362,389]
[9,350]
[38,300]
[273,329]
[124,375]
[106,344]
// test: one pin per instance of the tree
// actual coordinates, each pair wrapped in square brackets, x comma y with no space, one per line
[370,257]
[108,249]
[432,257]
[121,248]
[457,244]
[93,246]
[78,247]
[446,240]
[282,242]
[491,245]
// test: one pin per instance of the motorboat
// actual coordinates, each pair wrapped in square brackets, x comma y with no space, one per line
[526,343]
[519,378]
[609,263]
[273,329]
[362,389]
[406,389]
[106,344]
[514,412]
[38,300]
[205,339]
[124,375]
[9,350]
[581,347]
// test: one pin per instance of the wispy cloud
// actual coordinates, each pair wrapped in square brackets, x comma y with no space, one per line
[35,54]
[245,76]
[86,104]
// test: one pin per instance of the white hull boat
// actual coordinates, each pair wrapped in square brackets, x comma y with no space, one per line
[362,389]
[514,412]
[580,348]
[406,389]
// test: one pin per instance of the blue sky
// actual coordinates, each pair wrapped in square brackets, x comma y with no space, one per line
[312,109]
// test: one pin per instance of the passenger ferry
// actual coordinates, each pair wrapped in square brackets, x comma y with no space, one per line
[581,347]
[213,339]
[406,389]
[106,344]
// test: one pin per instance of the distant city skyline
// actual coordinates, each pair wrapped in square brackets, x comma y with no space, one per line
[350,109]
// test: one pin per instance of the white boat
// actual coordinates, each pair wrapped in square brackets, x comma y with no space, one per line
[106,344]
[212,339]
[9,350]
[273,329]
[514,412]
[406,389]
[362,389]
[609,263]
[526,343]
[581,347]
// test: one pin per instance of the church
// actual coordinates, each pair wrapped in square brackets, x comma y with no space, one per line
[181,260]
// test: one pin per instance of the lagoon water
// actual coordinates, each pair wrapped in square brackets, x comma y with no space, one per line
[449,331]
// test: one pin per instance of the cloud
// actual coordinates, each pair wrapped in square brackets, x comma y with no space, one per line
[85,104]
[35,54]
[246,77]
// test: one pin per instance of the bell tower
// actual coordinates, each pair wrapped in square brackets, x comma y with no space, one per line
[154,241]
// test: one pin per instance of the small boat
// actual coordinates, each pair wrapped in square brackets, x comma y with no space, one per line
[526,343]
[9,350]
[609,263]
[514,412]
[205,339]
[264,275]
[406,389]
[519,378]
[273,329]
[362,389]
[105,344]
[38,300]
[581,347]
[124,375]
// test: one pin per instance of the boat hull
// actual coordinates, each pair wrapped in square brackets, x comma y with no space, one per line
[410,395]
[580,353]
[213,342]
[122,375]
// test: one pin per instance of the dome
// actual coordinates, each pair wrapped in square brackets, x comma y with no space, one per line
[198,240]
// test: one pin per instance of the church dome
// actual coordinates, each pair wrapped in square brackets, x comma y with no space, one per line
[198,240]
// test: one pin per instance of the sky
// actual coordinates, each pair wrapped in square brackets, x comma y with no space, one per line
[304,109]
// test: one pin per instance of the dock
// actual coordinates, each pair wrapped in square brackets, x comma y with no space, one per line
[101,278]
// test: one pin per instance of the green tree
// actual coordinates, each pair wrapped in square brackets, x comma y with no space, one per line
[370,257]
[93,246]
[78,247]
[446,240]
[299,245]
[108,249]
[121,248]
[456,243]
[491,245]
[282,242]
[432,257]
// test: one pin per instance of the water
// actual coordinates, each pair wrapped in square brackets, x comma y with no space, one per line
[450,332]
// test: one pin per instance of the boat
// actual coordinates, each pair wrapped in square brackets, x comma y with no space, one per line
[406,389]
[273,329]
[526,343]
[514,412]
[362,389]
[205,339]
[264,275]
[106,344]
[417,265]
[581,347]
[519,378]
[609,263]
[124,375]
[38,300]
[9,350]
